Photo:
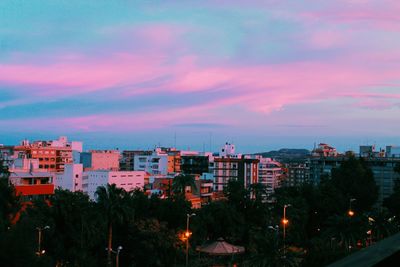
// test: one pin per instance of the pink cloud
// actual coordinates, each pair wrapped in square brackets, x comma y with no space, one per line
[259,88]
[119,122]
[378,14]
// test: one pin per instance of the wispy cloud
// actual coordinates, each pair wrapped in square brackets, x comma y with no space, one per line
[173,66]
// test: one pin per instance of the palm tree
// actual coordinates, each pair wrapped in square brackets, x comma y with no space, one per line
[111,200]
[265,250]
[180,183]
[346,231]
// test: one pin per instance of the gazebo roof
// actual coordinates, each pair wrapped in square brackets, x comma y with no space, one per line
[220,248]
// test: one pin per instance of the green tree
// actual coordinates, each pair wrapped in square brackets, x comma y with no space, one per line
[346,231]
[112,201]
[9,204]
[218,219]
[182,181]
[354,179]
[75,230]
[265,249]
[237,195]
[151,243]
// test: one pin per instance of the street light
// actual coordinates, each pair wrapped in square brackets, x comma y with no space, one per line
[40,252]
[351,212]
[285,222]
[117,255]
[187,235]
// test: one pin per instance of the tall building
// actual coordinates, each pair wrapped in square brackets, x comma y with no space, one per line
[162,161]
[242,169]
[270,174]
[174,161]
[52,155]
[127,161]
[194,164]
[297,174]
[381,166]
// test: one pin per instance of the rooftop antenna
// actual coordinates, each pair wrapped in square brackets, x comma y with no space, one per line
[175,140]
[210,135]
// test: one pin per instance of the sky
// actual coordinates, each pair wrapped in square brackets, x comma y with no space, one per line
[262,74]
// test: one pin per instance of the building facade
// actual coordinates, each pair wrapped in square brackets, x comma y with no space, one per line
[227,169]
[100,160]
[128,180]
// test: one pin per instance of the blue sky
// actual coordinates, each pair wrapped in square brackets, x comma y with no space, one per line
[263,74]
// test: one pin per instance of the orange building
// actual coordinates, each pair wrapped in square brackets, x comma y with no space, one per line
[51,157]
[174,161]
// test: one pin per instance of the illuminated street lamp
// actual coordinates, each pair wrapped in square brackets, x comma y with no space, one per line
[351,212]
[285,222]
[41,252]
[187,235]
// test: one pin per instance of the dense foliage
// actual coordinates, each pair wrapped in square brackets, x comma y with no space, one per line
[150,229]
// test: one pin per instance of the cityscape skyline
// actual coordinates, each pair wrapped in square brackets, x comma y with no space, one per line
[207,142]
[266,74]
[200,133]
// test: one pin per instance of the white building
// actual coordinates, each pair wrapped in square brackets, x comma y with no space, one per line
[128,180]
[155,164]
[269,174]
[71,178]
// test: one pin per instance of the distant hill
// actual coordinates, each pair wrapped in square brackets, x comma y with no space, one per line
[286,154]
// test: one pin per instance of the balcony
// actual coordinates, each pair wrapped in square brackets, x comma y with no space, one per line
[37,189]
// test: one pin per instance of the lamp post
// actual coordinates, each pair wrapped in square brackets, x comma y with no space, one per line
[285,222]
[40,252]
[117,257]
[351,214]
[187,235]
[116,254]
